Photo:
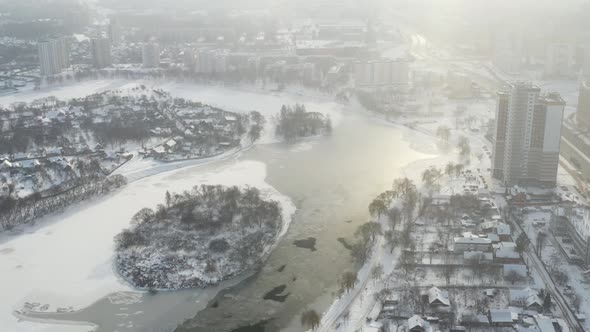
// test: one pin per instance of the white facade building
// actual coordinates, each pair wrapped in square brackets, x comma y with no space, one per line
[114,32]
[381,73]
[188,58]
[101,52]
[212,61]
[559,60]
[53,56]
[150,55]
[508,49]
[527,136]
[586,65]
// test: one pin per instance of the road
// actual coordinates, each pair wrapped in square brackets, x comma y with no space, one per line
[534,261]
[343,304]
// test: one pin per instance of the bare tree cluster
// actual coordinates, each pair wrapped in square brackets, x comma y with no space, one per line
[14,212]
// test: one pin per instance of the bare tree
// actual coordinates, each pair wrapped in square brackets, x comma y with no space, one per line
[377,272]
[464,147]
[522,242]
[443,132]
[513,277]
[310,319]
[450,169]
[377,207]
[391,240]
[349,280]
[407,260]
[448,270]
[394,216]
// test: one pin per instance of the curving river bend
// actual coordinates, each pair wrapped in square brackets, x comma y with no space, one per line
[331,181]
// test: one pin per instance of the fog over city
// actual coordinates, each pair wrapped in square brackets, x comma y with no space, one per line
[312,165]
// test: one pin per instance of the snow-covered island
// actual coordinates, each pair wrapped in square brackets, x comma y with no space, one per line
[198,238]
[295,122]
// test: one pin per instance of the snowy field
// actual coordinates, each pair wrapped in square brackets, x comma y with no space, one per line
[66,261]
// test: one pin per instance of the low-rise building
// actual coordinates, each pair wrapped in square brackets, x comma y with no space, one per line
[417,324]
[462,244]
[501,317]
[438,297]
[527,298]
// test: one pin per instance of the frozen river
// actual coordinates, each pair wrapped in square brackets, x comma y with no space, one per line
[66,259]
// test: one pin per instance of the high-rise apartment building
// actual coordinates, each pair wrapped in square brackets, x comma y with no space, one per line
[583,111]
[508,49]
[114,32]
[212,61]
[53,56]
[559,60]
[527,136]
[150,54]
[101,52]
[381,73]
[188,57]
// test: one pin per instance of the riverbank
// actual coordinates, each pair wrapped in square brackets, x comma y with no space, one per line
[75,268]
[330,178]
[91,225]
[420,134]
[244,97]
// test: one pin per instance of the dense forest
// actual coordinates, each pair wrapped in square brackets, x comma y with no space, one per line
[197,238]
[295,122]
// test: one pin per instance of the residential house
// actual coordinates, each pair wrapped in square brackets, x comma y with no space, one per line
[526,298]
[520,269]
[493,237]
[469,319]
[6,166]
[478,255]
[471,243]
[545,323]
[417,324]
[438,297]
[503,232]
[506,254]
[500,317]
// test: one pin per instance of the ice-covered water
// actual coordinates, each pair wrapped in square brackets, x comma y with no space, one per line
[67,259]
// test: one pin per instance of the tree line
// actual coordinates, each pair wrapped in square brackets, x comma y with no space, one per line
[17,211]
[215,231]
[295,122]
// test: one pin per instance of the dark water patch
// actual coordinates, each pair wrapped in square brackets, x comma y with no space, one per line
[215,304]
[308,243]
[274,294]
[349,221]
[282,268]
[259,327]
[345,243]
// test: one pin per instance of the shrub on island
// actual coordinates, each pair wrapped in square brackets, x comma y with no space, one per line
[295,122]
[198,238]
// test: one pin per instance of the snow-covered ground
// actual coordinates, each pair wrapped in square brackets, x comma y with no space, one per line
[243,99]
[231,98]
[358,303]
[66,259]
